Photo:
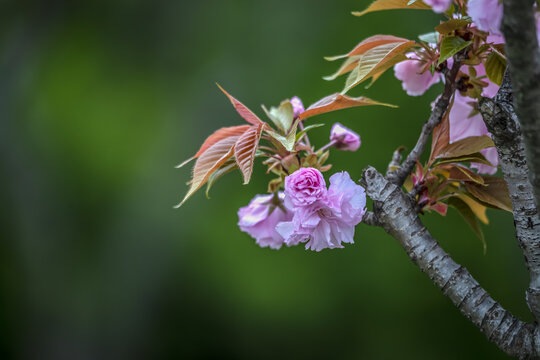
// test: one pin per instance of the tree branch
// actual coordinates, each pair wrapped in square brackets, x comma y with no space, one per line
[396,214]
[523,53]
[398,176]
[502,123]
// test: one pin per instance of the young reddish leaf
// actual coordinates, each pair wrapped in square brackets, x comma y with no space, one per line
[336,102]
[376,59]
[369,43]
[215,137]
[439,207]
[210,160]
[441,134]
[494,192]
[348,65]
[229,166]
[466,146]
[451,25]
[244,150]
[469,217]
[379,5]
[242,109]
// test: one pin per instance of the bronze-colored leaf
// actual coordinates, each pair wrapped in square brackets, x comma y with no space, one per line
[242,109]
[210,160]
[376,59]
[379,5]
[451,25]
[336,102]
[244,150]
[348,65]
[369,43]
[441,134]
[478,209]
[215,137]
[466,146]
[461,173]
[469,217]
[495,192]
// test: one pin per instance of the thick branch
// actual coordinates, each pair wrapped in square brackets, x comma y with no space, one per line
[396,213]
[502,123]
[519,28]
[398,176]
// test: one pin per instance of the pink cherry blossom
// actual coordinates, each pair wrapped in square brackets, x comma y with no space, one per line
[487,14]
[344,139]
[328,223]
[259,222]
[304,187]
[463,125]
[412,81]
[439,6]
[297,105]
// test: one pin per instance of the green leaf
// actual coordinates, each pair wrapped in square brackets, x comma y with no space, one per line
[379,5]
[306,129]
[467,146]
[451,45]
[495,66]
[452,24]
[431,38]
[281,116]
[469,217]
[288,140]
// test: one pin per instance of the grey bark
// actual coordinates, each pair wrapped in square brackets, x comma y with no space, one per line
[395,212]
[502,123]
[523,53]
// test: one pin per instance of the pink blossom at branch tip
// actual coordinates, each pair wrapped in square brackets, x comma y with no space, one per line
[439,6]
[304,187]
[487,15]
[462,125]
[344,139]
[330,222]
[297,105]
[257,220]
[414,83]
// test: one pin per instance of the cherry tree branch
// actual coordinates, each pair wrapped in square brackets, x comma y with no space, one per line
[396,214]
[502,123]
[399,175]
[523,53]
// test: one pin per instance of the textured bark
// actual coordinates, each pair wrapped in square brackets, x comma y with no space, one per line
[395,211]
[502,123]
[523,53]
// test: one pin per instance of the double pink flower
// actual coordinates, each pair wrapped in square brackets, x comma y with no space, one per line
[320,217]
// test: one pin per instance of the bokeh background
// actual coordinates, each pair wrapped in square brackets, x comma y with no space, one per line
[99,100]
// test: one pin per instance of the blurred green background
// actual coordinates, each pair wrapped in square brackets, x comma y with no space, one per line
[99,101]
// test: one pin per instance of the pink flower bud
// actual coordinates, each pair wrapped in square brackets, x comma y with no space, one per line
[297,105]
[486,14]
[412,81]
[439,6]
[304,187]
[257,220]
[345,139]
